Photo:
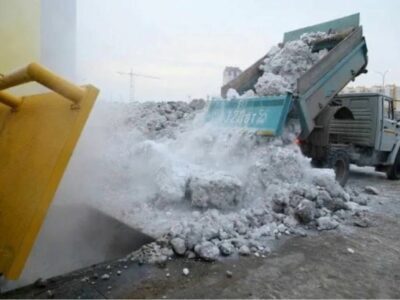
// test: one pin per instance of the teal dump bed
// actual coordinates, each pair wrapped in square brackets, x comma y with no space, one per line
[266,115]
[346,59]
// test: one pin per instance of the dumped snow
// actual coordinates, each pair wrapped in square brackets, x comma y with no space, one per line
[161,119]
[283,65]
[272,84]
[204,191]
[213,189]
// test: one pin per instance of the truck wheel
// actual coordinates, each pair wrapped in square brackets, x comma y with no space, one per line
[339,161]
[393,173]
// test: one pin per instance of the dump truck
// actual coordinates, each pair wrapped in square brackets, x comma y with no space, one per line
[336,130]
[39,132]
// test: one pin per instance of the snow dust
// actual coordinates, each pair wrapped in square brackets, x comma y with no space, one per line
[201,191]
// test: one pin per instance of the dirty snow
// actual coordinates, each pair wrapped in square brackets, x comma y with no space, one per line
[203,191]
[283,65]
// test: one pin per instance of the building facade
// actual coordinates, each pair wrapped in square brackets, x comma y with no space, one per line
[391,90]
[230,73]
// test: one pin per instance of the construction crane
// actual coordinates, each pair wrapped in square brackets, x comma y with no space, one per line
[132,77]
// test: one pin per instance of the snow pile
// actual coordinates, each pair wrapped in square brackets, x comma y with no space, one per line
[274,192]
[283,65]
[157,119]
[205,192]
[272,84]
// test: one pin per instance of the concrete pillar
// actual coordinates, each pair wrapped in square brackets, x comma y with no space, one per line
[58,36]
[38,31]
[20,35]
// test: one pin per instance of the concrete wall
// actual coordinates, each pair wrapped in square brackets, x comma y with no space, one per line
[19,32]
[58,36]
[38,30]
[20,35]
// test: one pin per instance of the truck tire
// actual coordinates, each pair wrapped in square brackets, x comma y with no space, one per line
[393,173]
[339,161]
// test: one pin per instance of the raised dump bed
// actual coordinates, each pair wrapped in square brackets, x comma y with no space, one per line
[346,59]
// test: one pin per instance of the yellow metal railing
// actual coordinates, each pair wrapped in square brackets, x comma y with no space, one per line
[10,100]
[36,72]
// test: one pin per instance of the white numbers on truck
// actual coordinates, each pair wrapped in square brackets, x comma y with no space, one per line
[243,118]
[261,117]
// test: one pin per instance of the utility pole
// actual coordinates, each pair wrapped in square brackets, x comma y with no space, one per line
[383,74]
[132,77]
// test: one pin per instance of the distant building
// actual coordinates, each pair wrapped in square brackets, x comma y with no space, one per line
[390,90]
[393,91]
[230,73]
[356,89]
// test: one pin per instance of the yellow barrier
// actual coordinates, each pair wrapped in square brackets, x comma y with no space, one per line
[38,134]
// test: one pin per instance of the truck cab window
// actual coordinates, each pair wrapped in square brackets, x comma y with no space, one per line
[388,108]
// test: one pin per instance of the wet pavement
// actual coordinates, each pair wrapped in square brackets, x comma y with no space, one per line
[351,262]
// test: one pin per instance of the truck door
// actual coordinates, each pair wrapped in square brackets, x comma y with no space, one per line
[388,125]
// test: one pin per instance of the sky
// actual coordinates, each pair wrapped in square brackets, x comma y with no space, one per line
[187,43]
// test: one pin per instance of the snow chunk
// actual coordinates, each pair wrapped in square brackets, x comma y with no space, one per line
[207,251]
[178,245]
[326,223]
[271,84]
[214,190]
[371,190]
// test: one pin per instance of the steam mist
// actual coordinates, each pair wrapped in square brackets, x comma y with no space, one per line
[96,214]
[145,170]
[76,233]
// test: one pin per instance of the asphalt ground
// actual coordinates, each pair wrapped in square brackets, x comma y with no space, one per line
[351,262]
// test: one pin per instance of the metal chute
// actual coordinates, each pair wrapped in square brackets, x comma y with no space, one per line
[38,134]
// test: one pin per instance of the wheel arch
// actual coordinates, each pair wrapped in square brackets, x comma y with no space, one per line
[392,156]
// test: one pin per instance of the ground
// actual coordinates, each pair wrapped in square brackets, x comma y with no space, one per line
[352,262]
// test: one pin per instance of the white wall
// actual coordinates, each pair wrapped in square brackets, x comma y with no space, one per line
[58,36]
